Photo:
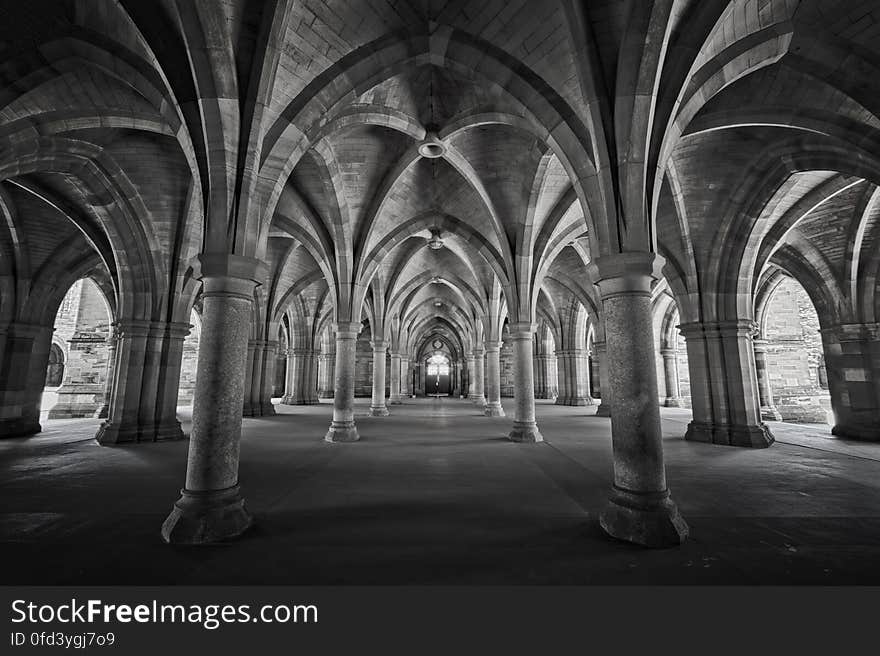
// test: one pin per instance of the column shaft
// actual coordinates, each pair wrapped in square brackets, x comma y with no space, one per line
[342,427]
[525,428]
[24,358]
[479,397]
[377,404]
[493,380]
[640,509]
[211,507]
[765,393]
[394,396]
[670,377]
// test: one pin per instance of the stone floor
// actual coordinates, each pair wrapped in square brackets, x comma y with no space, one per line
[436,494]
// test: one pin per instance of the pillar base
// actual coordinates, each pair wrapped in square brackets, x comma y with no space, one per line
[206,517]
[64,410]
[604,410]
[770,413]
[576,400]
[525,432]
[292,400]
[478,400]
[342,431]
[395,400]
[749,436]
[258,410]
[379,411]
[110,433]
[493,410]
[19,427]
[867,433]
[650,519]
[326,394]
[673,402]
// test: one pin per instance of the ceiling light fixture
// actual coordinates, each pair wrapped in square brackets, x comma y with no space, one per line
[436,241]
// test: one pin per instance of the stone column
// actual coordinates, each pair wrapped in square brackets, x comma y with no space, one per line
[257,398]
[394,397]
[724,384]
[405,376]
[479,397]
[143,406]
[525,428]
[111,368]
[24,357]
[640,509]
[328,365]
[377,404]
[594,374]
[852,360]
[670,376]
[211,507]
[543,387]
[493,380]
[472,388]
[573,378]
[605,388]
[765,393]
[301,387]
[342,427]
[270,362]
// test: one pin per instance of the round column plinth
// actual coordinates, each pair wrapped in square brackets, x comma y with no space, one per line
[525,432]
[493,410]
[650,519]
[379,411]
[342,432]
[206,517]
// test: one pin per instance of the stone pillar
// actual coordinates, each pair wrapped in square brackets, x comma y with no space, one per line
[328,365]
[493,380]
[342,427]
[111,368]
[594,374]
[640,509]
[670,377]
[377,404]
[257,395]
[605,388]
[525,428]
[394,397]
[852,360]
[143,405]
[724,384]
[24,357]
[405,376]
[765,394]
[270,362]
[472,388]
[479,397]
[573,378]
[301,386]
[543,388]
[211,507]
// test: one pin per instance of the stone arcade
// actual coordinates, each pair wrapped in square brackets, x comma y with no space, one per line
[614,205]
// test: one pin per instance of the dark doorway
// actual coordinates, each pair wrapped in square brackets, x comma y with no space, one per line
[437,376]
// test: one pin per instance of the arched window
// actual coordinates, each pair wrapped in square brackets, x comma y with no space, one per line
[438,365]
[55,371]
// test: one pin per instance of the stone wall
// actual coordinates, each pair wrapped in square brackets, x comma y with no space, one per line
[84,323]
[190,361]
[794,354]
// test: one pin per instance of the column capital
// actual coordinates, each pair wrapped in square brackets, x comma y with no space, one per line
[626,273]
[493,345]
[379,345]
[347,329]
[233,276]
[718,329]
[522,330]
[478,352]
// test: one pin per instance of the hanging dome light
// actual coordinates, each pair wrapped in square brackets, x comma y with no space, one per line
[431,147]
[436,241]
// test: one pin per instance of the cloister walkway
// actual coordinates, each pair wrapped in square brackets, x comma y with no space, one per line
[435,494]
